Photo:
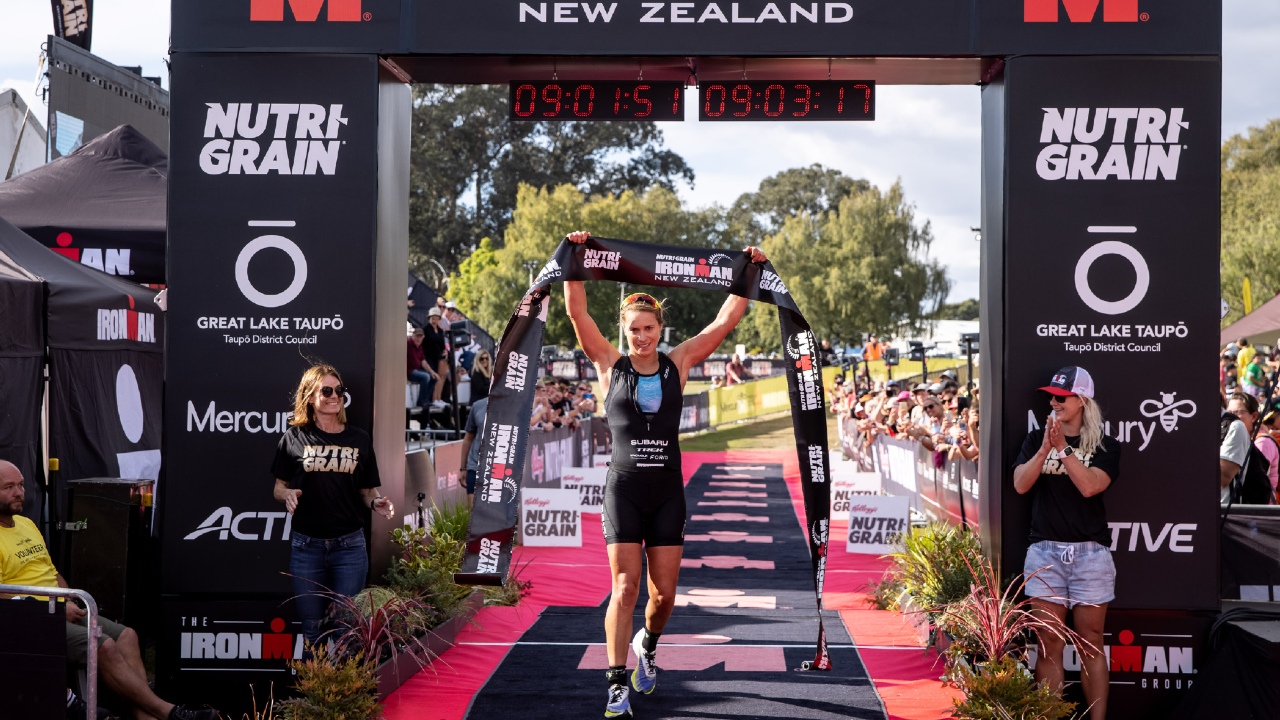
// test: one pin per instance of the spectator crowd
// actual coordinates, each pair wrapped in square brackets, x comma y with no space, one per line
[1249,432]
[934,412]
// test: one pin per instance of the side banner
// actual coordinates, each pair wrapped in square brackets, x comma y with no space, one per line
[493,519]
[272,198]
[73,21]
[1112,211]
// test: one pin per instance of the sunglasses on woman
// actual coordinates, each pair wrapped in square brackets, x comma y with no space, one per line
[639,299]
[328,392]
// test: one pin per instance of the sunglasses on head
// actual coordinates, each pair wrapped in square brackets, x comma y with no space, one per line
[327,391]
[639,299]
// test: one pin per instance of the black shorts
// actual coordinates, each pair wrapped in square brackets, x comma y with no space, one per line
[645,507]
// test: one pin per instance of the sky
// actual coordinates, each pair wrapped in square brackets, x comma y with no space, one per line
[928,137]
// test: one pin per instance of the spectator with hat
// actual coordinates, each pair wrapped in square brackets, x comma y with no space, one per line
[433,348]
[1067,467]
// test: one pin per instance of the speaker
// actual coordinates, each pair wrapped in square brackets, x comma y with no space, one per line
[112,551]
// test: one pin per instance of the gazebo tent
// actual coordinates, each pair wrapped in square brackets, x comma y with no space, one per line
[1262,326]
[103,205]
[104,340]
[21,362]
[424,298]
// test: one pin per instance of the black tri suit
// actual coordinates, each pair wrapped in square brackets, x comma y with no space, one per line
[644,490]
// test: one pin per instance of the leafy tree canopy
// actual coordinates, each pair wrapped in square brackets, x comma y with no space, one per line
[1251,217]
[963,310]
[468,162]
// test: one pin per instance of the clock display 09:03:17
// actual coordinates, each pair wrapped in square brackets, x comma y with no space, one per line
[788,100]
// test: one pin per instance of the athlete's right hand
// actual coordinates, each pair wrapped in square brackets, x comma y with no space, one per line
[291,500]
[578,236]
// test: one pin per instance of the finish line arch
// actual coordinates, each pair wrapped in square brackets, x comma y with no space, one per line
[290,119]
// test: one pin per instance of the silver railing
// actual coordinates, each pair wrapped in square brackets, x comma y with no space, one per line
[91,626]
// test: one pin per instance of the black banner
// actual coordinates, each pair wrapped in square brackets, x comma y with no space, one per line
[1112,216]
[841,28]
[273,180]
[506,433]
[73,21]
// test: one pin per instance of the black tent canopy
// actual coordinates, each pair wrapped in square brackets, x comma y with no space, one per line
[21,360]
[104,338]
[103,205]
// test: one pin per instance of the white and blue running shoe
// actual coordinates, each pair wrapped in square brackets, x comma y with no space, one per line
[645,677]
[619,703]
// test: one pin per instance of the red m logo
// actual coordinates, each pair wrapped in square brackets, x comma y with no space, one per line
[1080,11]
[304,10]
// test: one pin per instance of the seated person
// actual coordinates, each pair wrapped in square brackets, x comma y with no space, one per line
[119,657]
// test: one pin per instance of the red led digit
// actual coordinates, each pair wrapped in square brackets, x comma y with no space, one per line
[840,105]
[675,103]
[617,101]
[808,93]
[768,93]
[742,94]
[866,94]
[719,107]
[533,96]
[648,106]
[577,100]
[548,97]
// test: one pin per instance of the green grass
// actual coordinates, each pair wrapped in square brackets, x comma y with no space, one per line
[773,433]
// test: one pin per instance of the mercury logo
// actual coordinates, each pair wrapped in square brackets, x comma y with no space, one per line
[1144,143]
[109,261]
[126,324]
[1167,410]
[301,139]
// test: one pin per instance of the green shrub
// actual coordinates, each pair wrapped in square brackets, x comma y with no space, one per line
[333,689]
[428,559]
[935,564]
[510,592]
[1005,690]
[884,593]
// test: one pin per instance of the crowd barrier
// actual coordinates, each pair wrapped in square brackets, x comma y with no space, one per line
[1250,563]
[744,401]
[938,488]
[575,368]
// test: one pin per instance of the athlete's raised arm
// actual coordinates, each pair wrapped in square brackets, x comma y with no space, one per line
[700,346]
[600,351]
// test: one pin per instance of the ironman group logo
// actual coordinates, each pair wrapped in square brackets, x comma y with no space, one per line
[801,349]
[1082,11]
[109,261]
[199,641]
[706,271]
[126,324]
[308,10]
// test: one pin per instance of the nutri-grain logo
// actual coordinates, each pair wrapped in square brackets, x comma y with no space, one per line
[500,460]
[771,282]
[800,347]
[602,259]
[1135,143]
[306,10]
[266,138]
[517,371]
[490,551]
[816,472]
[712,270]
[126,324]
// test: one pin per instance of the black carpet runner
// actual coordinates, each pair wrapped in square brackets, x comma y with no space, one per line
[744,621]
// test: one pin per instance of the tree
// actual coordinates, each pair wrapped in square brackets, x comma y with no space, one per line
[963,310]
[860,268]
[468,161]
[490,283]
[814,190]
[1251,217]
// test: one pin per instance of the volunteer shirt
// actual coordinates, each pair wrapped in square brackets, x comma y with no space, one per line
[23,557]
[329,469]
[1058,510]
[645,437]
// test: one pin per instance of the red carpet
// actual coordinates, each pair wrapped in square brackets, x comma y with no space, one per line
[905,674]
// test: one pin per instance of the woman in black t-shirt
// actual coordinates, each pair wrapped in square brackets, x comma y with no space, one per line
[1067,467]
[644,507]
[481,376]
[327,478]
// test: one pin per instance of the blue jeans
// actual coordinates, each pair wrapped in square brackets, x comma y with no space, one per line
[425,384]
[340,564]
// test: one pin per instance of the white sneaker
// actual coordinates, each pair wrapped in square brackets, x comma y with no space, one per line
[645,677]
[619,702]
[438,404]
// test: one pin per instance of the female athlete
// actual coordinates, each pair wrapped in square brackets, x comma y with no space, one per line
[644,507]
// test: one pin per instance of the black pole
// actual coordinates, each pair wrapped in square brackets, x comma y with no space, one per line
[968,351]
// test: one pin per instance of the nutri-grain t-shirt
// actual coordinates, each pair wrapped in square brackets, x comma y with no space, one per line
[330,469]
[1058,509]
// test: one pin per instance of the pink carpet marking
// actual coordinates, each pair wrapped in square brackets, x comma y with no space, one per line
[731,517]
[735,658]
[718,598]
[739,484]
[735,494]
[732,503]
[729,536]
[673,639]
[726,562]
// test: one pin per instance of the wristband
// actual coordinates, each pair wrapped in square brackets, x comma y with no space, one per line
[371,502]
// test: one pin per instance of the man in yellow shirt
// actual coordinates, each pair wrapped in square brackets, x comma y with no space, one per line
[1246,354]
[24,560]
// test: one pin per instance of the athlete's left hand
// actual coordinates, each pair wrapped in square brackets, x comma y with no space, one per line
[383,507]
[756,254]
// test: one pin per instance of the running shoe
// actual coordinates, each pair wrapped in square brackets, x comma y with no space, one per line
[619,703]
[645,677]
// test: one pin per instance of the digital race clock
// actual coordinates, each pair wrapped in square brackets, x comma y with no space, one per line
[787,100]
[597,100]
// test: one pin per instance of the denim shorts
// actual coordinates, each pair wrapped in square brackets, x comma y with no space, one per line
[1070,573]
